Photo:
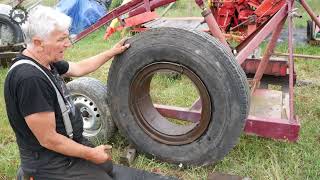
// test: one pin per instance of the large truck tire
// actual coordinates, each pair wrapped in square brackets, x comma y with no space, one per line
[219,78]
[90,96]
[10,32]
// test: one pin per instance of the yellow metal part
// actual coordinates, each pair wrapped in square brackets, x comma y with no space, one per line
[210,4]
[115,21]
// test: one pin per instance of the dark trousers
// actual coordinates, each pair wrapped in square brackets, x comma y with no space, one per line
[49,165]
[78,169]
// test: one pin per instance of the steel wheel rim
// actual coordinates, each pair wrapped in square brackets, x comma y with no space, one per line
[142,107]
[91,115]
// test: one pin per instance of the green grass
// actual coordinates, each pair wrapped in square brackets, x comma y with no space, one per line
[173,91]
[302,22]
[253,157]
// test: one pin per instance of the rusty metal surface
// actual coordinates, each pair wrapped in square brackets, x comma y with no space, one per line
[154,123]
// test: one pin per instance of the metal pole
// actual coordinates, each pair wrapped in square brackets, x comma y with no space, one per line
[212,23]
[302,56]
[291,65]
[147,5]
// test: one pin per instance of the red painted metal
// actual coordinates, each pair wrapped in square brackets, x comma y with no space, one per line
[265,60]
[291,62]
[178,113]
[275,67]
[214,27]
[196,106]
[147,5]
[243,17]
[200,3]
[279,129]
[153,4]
[141,18]
[263,33]
[273,124]
[212,23]
[269,7]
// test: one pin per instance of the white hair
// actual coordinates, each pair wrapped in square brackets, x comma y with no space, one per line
[42,21]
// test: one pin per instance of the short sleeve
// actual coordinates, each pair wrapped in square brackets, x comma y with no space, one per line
[35,95]
[62,67]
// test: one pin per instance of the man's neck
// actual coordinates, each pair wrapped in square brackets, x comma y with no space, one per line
[35,56]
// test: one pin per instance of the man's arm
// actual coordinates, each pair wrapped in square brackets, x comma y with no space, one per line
[91,64]
[43,126]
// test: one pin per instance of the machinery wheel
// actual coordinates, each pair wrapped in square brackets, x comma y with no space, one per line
[309,31]
[10,32]
[218,78]
[90,96]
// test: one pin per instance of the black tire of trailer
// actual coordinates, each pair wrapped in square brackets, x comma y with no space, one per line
[16,29]
[91,94]
[217,68]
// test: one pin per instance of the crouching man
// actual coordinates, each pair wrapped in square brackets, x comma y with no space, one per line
[46,149]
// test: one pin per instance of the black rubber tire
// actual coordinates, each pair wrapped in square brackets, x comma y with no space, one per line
[208,58]
[309,30]
[15,28]
[96,92]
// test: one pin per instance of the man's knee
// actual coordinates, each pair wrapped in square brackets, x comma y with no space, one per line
[107,167]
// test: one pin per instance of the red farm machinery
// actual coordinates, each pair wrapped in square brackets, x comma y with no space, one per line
[233,87]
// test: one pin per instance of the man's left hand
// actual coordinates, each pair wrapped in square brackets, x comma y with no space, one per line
[120,47]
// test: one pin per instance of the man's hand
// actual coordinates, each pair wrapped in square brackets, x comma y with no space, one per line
[120,47]
[100,154]
[93,63]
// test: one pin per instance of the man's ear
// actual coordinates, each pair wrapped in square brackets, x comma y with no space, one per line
[37,43]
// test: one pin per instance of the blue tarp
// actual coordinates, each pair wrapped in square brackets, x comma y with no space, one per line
[83,13]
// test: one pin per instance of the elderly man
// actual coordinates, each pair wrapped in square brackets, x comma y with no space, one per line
[33,110]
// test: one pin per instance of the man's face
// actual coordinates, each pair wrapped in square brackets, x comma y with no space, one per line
[55,45]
